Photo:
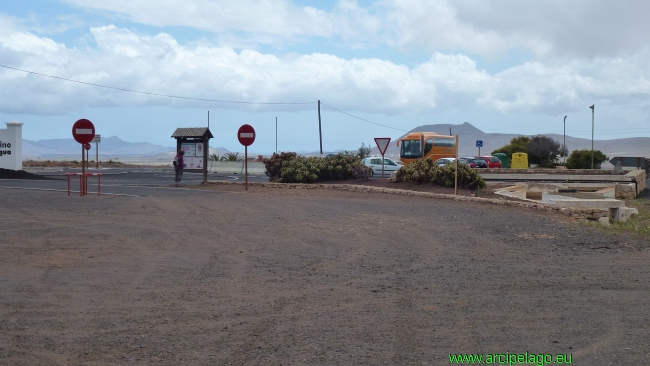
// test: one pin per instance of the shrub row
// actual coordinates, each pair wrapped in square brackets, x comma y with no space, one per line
[289,167]
[426,171]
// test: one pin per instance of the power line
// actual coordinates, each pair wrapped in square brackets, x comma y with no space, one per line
[363,119]
[150,93]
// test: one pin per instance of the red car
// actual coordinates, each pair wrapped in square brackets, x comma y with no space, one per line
[491,161]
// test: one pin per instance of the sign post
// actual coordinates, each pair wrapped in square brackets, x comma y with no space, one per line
[246,137]
[382,145]
[87,147]
[456,170]
[479,144]
[83,132]
[97,139]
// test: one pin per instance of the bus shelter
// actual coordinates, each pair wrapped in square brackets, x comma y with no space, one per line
[195,142]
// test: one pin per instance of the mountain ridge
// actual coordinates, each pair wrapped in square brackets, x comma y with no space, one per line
[468,135]
[109,146]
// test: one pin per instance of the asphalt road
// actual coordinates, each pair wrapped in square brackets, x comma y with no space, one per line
[141,182]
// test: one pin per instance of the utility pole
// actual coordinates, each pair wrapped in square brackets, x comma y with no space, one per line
[592,135]
[564,150]
[276,135]
[320,133]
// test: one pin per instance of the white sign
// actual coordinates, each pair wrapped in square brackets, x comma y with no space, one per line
[97,138]
[192,162]
[190,149]
[11,146]
[382,144]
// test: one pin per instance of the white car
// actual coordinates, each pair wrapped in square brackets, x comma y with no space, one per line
[375,163]
[444,161]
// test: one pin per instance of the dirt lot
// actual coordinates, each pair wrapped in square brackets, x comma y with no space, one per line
[289,277]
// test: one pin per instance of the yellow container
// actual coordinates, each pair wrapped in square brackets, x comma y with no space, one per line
[519,161]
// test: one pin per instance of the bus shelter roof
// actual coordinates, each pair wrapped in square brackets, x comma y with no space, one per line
[192,132]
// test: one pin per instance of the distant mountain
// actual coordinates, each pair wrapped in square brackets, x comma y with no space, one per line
[108,147]
[468,135]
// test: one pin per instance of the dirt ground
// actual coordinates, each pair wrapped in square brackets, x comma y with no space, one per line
[310,277]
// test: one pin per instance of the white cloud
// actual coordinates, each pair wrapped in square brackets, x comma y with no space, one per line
[266,21]
[583,28]
[159,64]
[436,24]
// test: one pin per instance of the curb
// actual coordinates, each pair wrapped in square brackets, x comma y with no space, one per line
[581,213]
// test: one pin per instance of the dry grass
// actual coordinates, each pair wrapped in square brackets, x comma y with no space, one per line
[71,163]
[639,224]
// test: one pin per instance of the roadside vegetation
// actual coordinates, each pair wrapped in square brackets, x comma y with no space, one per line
[426,171]
[289,167]
[581,159]
[639,224]
[542,151]
[67,163]
[545,153]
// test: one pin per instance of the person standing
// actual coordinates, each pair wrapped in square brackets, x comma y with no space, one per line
[178,166]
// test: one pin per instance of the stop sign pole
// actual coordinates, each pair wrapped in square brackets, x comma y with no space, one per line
[246,137]
[83,132]
[87,147]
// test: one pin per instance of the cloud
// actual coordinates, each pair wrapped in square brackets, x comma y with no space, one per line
[580,28]
[436,25]
[265,21]
[159,64]
[553,28]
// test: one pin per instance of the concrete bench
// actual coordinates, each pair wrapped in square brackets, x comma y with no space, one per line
[617,209]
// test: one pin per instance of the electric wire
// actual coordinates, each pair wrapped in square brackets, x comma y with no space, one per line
[269,103]
[153,94]
[363,119]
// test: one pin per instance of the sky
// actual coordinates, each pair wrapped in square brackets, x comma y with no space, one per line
[140,69]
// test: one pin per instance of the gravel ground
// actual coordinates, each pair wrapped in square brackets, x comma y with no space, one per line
[297,277]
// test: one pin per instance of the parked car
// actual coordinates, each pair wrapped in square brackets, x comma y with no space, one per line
[468,161]
[480,163]
[491,161]
[444,161]
[375,163]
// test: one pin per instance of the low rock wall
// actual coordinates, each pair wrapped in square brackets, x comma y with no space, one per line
[581,213]
[628,191]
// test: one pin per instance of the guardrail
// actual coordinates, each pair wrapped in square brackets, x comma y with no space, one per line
[236,167]
[84,177]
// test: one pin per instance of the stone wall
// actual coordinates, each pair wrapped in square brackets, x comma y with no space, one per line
[628,191]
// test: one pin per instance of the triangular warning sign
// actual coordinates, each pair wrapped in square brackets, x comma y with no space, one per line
[382,144]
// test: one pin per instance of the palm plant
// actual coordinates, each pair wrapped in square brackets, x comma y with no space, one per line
[231,157]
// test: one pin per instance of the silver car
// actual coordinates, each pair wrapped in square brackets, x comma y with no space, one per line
[375,163]
[445,161]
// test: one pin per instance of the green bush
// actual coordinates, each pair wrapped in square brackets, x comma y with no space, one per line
[426,171]
[581,159]
[288,167]
[273,165]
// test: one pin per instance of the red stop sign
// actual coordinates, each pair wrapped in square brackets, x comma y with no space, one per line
[246,135]
[83,131]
